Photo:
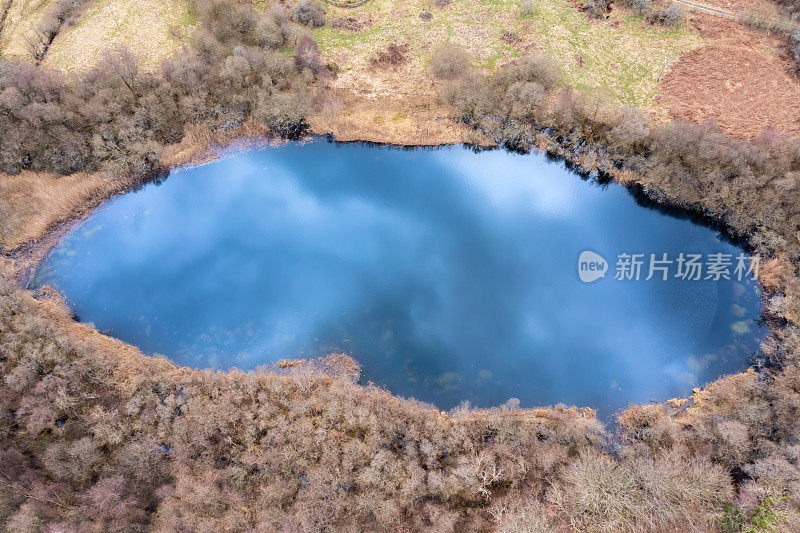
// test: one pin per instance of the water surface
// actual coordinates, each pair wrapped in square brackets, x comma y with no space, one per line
[449,275]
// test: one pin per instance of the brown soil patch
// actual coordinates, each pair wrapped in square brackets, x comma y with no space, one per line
[350,23]
[393,55]
[740,78]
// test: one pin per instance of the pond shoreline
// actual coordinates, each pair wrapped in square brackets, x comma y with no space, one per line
[508,198]
[530,447]
[26,258]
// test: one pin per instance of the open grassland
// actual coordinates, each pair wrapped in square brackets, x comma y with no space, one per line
[713,68]
[22,16]
[619,59]
[152,29]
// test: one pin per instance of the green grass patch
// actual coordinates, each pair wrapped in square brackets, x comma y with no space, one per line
[619,59]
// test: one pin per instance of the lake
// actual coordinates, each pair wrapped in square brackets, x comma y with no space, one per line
[449,275]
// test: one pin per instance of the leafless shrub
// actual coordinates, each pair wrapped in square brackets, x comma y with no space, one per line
[269,33]
[285,114]
[671,17]
[525,515]
[309,13]
[470,96]
[524,100]
[307,55]
[527,8]
[449,62]
[597,8]
[540,68]
[637,494]
[640,7]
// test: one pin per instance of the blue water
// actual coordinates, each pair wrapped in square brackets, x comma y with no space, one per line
[449,275]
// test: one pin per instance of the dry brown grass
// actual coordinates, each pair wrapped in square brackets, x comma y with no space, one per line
[400,119]
[199,144]
[22,16]
[621,57]
[153,29]
[31,204]
[636,494]
[740,78]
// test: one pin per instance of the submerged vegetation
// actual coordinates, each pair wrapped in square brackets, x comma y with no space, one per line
[95,436]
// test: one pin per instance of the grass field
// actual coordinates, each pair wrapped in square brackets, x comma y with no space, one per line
[152,29]
[22,16]
[620,58]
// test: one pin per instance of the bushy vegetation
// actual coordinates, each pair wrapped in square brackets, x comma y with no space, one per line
[746,426]
[448,62]
[751,188]
[671,16]
[527,8]
[597,8]
[791,8]
[95,436]
[118,118]
[88,441]
[640,7]
[309,13]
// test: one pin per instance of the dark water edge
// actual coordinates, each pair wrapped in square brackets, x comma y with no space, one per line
[647,199]
[594,179]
